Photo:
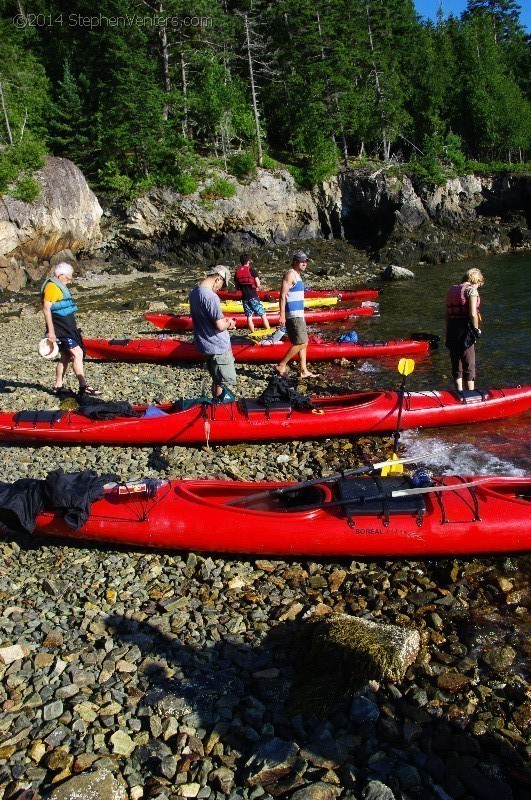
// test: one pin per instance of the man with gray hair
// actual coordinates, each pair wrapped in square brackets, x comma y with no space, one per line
[211,331]
[58,307]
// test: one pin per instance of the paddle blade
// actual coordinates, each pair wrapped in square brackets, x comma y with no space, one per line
[406,366]
[394,468]
[258,334]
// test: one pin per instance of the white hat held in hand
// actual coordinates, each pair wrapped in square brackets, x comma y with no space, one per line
[47,348]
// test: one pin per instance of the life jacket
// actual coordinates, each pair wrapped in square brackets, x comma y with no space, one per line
[244,277]
[64,306]
[457,301]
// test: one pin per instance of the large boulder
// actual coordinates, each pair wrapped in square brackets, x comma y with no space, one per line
[394,273]
[65,216]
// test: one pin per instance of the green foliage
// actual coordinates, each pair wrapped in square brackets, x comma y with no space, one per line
[218,188]
[298,175]
[114,183]
[17,165]
[498,167]
[242,165]
[314,139]
[70,130]
[442,158]
[24,91]
[269,163]
[27,189]
[185,184]
[334,79]
[453,153]
[426,170]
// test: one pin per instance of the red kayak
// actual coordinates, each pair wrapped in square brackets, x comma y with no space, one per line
[251,421]
[181,322]
[357,295]
[247,352]
[349,517]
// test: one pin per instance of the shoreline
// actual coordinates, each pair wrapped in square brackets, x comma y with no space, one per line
[166,673]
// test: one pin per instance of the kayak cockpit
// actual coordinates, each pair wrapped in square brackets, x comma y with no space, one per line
[513,489]
[347,497]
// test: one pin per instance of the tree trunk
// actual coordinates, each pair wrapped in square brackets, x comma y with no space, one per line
[6,118]
[253,90]
[379,96]
[163,36]
[184,84]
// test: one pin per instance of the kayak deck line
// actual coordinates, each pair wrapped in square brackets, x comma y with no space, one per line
[342,294]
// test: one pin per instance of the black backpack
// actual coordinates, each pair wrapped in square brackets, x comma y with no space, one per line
[279,390]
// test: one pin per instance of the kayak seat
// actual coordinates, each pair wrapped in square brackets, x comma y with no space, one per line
[250,406]
[357,489]
[473,395]
[305,496]
[51,417]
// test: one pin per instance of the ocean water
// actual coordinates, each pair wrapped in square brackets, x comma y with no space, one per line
[503,359]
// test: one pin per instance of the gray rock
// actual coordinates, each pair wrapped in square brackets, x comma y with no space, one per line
[363,711]
[66,215]
[375,790]
[272,762]
[316,791]
[99,785]
[394,273]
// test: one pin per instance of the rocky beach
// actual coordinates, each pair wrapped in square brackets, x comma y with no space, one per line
[128,673]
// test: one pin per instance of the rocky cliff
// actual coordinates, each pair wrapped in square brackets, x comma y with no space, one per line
[405,222]
[390,218]
[66,216]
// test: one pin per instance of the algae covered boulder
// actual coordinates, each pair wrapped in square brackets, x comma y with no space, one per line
[339,654]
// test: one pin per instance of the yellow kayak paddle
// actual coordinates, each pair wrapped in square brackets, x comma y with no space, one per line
[405,368]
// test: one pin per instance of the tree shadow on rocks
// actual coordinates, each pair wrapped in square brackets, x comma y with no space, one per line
[225,704]
[223,707]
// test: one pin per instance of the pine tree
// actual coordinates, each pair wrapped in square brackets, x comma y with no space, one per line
[70,135]
[495,116]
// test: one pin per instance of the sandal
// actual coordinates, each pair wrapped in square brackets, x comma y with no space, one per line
[90,391]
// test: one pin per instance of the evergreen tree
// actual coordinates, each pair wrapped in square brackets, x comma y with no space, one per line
[494,115]
[505,15]
[70,135]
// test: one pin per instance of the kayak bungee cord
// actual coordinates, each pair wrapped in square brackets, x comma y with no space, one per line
[143,494]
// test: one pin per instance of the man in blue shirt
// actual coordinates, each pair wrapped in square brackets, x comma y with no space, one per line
[211,331]
[292,315]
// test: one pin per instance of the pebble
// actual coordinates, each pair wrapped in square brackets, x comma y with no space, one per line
[127,673]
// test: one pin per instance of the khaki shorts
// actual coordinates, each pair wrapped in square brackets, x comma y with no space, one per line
[296,330]
[221,369]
